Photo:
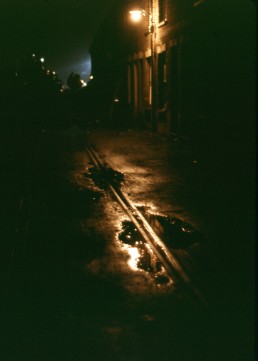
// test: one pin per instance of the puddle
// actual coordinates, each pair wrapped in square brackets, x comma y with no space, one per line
[141,256]
[105,177]
[130,235]
[176,234]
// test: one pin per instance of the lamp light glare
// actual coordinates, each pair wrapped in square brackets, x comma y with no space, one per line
[136,15]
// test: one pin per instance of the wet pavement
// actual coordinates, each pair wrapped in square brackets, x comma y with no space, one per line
[210,188]
[77,281]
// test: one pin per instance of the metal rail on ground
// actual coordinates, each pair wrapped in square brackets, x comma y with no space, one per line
[163,254]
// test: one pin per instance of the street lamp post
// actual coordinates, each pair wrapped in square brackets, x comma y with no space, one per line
[136,16]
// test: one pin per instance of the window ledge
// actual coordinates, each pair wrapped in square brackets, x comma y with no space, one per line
[162,23]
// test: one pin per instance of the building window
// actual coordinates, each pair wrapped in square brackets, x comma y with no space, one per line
[162,10]
[150,80]
[130,84]
[162,79]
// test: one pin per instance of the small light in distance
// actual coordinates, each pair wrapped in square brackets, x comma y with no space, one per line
[42,60]
[83,83]
[91,77]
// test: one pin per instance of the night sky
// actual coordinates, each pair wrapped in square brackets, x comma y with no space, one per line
[58,30]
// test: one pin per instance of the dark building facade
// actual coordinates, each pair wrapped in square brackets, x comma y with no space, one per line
[187,67]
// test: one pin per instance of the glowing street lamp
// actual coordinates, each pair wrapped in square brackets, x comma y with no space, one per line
[136,16]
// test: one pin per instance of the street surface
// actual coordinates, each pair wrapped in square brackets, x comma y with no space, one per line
[71,288]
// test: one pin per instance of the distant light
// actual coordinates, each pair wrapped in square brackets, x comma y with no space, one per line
[116,100]
[33,55]
[42,60]
[54,73]
[91,77]
[136,15]
[83,83]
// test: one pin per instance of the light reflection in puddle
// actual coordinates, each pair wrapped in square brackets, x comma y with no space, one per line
[173,235]
[141,256]
[141,261]
[134,257]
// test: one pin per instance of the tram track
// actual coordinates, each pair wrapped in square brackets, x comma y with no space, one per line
[165,256]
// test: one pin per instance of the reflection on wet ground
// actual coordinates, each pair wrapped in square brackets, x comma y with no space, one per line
[79,292]
[180,237]
[76,292]
[102,178]
[141,255]
[175,232]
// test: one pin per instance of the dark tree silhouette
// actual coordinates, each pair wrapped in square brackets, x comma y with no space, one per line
[33,75]
[30,94]
[74,81]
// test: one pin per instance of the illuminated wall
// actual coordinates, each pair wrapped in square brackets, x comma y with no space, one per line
[204,66]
